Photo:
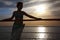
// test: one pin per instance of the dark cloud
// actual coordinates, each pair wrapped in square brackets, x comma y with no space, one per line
[54,3]
[9,3]
[56,13]
[5,5]
[28,2]
[14,0]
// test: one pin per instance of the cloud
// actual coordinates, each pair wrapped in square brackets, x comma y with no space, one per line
[9,3]
[27,3]
[6,4]
[54,5]
[38,2]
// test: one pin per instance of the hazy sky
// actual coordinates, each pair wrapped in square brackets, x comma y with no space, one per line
[37,8]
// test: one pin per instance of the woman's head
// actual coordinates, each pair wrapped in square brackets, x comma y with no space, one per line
[19,5]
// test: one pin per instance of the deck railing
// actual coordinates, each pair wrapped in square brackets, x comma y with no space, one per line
[35,20]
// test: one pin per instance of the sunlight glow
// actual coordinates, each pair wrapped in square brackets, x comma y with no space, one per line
[41,8]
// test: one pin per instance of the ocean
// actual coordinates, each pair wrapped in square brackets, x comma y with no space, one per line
[44,31]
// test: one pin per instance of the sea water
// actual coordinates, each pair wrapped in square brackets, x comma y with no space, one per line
[37,32]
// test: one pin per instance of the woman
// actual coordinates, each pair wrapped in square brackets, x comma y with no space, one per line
[18,23]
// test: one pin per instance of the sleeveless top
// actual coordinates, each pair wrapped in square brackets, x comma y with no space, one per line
[19,15]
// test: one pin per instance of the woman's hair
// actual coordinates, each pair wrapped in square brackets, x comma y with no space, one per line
[19,4]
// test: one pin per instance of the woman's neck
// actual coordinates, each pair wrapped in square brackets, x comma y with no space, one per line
[18,10]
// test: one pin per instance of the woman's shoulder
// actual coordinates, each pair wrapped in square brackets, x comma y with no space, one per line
[23,11]
[14,12]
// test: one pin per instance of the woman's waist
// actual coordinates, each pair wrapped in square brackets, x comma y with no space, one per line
[18,22]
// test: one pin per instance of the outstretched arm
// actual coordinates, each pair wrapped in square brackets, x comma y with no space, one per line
[9,18]
[31,16]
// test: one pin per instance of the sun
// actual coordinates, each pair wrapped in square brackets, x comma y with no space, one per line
[40,9]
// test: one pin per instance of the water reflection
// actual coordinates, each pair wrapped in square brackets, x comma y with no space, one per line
[41,29]
[42,35]
[34,33]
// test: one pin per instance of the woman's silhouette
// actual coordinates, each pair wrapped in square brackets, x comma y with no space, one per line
[18,23]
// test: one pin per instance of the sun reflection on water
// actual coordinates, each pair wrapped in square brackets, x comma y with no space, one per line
[42,30]
[42,35]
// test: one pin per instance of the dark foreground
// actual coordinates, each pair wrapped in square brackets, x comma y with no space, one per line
[33,33]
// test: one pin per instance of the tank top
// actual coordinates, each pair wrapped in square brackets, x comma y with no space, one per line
[19,15]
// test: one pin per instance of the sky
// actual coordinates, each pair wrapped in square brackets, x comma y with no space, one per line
[38,8]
